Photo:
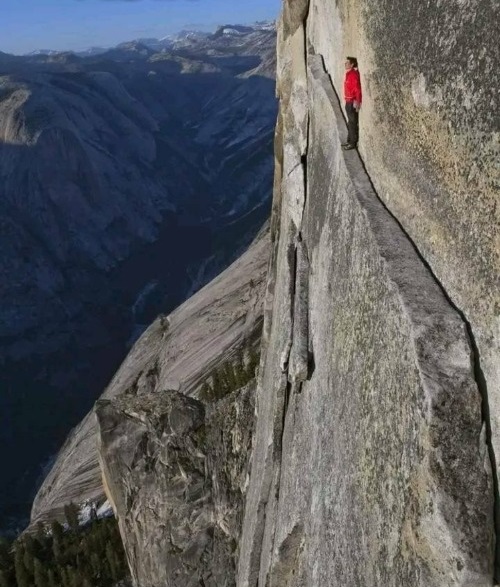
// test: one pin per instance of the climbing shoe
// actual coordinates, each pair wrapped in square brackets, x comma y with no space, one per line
[348,147]
[343,144]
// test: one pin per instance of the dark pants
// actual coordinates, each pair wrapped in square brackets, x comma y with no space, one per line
[352,124]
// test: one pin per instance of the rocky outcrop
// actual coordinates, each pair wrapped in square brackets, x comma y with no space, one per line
[175,473]
[178,352]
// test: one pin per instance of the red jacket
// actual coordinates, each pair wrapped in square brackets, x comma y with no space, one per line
[352,86]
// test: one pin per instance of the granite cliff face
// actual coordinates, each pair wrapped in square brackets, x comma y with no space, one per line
[373,451]
[107,165]
[430,141]
[370,462]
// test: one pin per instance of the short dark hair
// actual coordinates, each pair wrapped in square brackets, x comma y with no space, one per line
[353,60]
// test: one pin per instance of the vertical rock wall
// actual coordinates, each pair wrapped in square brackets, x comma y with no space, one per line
[430,140]
[370,465]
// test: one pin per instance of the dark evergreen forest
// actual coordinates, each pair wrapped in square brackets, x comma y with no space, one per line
[66,555]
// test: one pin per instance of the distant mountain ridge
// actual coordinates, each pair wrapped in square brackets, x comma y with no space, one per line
[168,41]
[128,175]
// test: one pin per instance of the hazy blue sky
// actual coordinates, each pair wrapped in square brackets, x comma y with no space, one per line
[77,24]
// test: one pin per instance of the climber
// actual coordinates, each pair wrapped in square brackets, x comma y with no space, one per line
[352,96]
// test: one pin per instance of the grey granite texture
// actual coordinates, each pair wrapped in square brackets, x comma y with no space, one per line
[175,474]
[430,140]
[374,470]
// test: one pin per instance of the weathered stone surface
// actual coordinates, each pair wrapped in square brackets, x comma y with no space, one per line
[375,470]
[229,430]
[430,139]
[176,352]
[154,472]
[175,475]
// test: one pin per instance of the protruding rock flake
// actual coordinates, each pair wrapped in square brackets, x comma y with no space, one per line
[299,356]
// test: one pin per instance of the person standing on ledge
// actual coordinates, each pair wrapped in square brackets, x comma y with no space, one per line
[352,95]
